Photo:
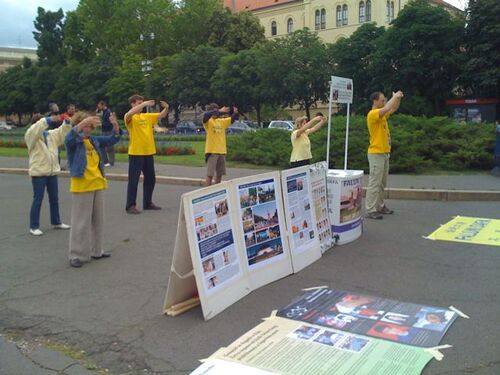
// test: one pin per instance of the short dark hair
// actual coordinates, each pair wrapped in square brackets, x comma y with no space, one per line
[379,328]
[70,105]
[135,98]
[211,107]
[375,95]
[102,102]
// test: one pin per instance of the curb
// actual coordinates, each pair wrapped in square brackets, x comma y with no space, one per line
[390,193]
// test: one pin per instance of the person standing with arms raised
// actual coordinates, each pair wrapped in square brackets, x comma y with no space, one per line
[379,152]
[141,151]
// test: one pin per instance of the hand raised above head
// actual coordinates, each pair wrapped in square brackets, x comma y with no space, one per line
[398,94]
[163,104]
[224,109]
[150,103]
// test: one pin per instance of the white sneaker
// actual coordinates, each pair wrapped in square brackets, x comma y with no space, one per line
[61,226]
[36,232]
[107,165]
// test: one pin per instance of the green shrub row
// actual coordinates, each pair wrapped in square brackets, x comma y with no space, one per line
[418,144]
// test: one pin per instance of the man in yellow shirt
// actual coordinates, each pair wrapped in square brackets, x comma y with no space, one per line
[141,149]
[215,122]
[379,152]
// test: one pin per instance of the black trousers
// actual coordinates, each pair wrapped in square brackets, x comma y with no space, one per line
[136,165]
[300,163]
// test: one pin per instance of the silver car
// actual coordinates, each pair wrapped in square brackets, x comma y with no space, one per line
[281,124]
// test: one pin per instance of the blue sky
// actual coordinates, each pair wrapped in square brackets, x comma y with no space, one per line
[17,16]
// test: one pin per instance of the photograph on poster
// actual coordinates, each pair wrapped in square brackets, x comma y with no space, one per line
[335,320]
[274,232]
[221,208]
[247,214]
[250,239]
[433,319]
[212,282]
[265,215]
[395,318]
[225,256]
[291,185]
[304,332]
[300,184]
[208,265]
[248,226]
[329,338]
[307,206]
[199,221]
[393,332]
[351,202]
[248,197]
[352,343]
[262,235]
[263,251]
[205,232]
[266,193]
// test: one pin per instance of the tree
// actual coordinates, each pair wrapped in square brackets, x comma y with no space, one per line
[49,36]
[351,58]
[234,31]
[419,54]
[239,81]
[15,89]
[481,73]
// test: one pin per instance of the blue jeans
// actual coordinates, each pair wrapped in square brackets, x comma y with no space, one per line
[39,184]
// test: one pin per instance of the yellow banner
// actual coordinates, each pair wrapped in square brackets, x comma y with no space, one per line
[469,230]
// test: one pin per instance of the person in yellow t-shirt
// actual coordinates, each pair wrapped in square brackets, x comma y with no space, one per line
[141,151]
[215,122]
[379,152]
[301,145]
[87,185]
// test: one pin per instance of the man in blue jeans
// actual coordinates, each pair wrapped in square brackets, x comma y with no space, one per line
[44,167]
[107,152]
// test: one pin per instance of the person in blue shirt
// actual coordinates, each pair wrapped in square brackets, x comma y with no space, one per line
[107,152]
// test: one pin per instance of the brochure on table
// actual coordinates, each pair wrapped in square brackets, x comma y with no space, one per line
[300,217]
[261,222]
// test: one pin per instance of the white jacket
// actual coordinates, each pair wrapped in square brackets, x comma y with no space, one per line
[43,156]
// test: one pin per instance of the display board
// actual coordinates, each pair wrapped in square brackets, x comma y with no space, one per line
[262,224]
[300,217]
[318,173]
[217,264]
[469,230]
[342,90]
[345,203]
[397,321]
[284,346]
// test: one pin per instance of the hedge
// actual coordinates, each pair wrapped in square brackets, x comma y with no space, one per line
[418,144]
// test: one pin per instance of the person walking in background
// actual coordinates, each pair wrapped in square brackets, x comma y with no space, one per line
[301,145]
[108,152]
[215,122]
[43,146]
[70,111]
[379,152]
[87,187]
[141,149]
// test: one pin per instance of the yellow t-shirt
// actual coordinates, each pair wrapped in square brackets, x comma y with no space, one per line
[92,179]
[301,146]
[380,136]
[215,142]
[141,133]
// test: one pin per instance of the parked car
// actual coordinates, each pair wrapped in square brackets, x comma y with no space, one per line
[239,127]
[4,126]
[189,127]
[281,124]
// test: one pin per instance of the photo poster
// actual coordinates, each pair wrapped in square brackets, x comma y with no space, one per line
[342,90]
[284,346]
[262,223]
[474,230]
[300,217]
[181,283]
[218,265]
[401,322]
[320,202]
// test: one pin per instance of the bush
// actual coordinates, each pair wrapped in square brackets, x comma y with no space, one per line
[418,144]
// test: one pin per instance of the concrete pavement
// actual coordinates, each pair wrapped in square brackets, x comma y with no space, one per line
[111,308]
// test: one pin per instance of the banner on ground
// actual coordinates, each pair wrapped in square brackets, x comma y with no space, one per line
[396,321]
[469,230]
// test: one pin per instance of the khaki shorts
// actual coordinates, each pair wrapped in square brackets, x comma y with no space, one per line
[216,165]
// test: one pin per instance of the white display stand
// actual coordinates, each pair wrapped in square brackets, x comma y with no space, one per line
[345,203]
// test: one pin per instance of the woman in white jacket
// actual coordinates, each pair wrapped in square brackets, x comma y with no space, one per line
[44,167]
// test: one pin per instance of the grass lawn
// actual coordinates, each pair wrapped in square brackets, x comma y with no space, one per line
[196,160]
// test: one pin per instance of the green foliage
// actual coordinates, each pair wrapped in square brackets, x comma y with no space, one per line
[418,144]
[49,36]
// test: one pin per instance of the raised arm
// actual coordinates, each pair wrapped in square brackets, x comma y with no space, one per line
[35,131]
[315,121]
[109,140]
[164,112]
[138,109]
[392,105]
[59,134]
[318,126]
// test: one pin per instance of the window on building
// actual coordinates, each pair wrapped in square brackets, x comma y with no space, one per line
[388,12]
[368,11]
[323,18]
[344,15]
[317,20]
[339,16]
[289,26]
[274,28]
[392,10]
[361,11]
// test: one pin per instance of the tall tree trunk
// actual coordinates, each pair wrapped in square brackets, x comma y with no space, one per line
[257,109]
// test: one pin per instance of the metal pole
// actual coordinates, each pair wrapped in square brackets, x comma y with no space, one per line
[347,136]
[329,127]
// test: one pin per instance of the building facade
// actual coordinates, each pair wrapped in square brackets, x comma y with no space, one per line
[332,20]
[14,56]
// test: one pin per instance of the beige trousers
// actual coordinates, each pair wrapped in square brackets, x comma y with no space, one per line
[87,218]
[379,170]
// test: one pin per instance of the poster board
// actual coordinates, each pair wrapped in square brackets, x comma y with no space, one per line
[285,346]
[342,90]
[300,217]
[261,222]
[318,173]
[382,318]
[474,230]
[209,225]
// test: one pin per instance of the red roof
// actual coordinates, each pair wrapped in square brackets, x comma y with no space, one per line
[238,5]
